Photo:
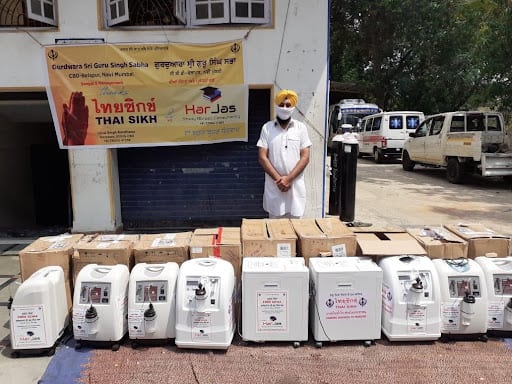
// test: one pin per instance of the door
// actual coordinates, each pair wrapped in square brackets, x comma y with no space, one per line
[433,143]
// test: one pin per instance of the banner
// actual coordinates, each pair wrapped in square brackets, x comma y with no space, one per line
[147,94]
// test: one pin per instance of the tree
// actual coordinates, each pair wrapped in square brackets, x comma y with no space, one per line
[423,55]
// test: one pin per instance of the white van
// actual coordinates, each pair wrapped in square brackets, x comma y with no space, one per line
[383,134]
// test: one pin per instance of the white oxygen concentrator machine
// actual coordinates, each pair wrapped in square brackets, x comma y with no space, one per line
[275,299]
[498,277]
[39,312]
[205,304]
[345,299]
[152,302]
[463,299]
[411,299]
[100,305]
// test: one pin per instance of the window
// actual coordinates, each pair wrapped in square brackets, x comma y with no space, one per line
[186,12]
[457,124]
[493,123]
[395,122]
[437,125]
[423,128]
[376,123]
[368,125]
[412,122]
[28,13]
[475,122]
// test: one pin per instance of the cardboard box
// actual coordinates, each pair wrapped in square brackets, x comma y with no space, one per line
[324,237]
[381,244]
[376,228]
[482,240]
[440,243]
[49,251]
[104,250]
[162,248]
[223,242]
[268,237]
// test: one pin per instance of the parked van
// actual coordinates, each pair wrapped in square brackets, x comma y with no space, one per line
[383,134]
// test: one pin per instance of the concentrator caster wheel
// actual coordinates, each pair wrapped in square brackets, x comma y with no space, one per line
[15,355]
[51,352]
[135,345]
[367,343]
[115,347]
[484,338]
[296,344]
[318,344]
[78,346]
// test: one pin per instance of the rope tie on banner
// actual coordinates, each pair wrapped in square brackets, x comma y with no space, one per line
[216,242]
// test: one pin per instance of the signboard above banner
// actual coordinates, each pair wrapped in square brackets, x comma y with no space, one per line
[147,94]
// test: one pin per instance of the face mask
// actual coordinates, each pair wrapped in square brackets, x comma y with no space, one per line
[284,113]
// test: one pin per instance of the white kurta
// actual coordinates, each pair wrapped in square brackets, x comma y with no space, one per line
[284,152]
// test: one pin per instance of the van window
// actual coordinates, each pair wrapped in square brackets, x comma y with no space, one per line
[376,123]
[368,125]
[412,122]
[457,124]
[395,122]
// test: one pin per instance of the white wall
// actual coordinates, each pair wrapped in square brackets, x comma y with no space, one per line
[292,54]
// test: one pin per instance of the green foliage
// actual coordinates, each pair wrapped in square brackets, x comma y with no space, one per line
[426,55]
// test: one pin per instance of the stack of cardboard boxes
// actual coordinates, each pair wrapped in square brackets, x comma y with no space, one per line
[326,237]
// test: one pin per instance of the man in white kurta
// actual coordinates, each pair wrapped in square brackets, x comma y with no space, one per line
[284,149]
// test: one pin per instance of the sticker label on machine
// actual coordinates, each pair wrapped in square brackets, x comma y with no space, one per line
[272,311]
[28,325]
[495,314]
[417,318]
[387,299]
[450,316]
[201,326]
[345,306]
[136,326]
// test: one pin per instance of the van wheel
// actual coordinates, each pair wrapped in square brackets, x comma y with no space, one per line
[377,155]
[454,171]
[407,163]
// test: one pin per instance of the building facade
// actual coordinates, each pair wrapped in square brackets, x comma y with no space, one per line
[111,189]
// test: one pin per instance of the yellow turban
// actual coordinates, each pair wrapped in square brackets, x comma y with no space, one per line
[287,94]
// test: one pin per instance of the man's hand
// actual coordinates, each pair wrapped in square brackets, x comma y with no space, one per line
[284,183]
[75,120]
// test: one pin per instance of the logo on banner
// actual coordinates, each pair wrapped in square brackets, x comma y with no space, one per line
[211,93]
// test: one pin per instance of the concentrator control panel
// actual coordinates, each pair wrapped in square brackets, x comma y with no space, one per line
[408,279]
[95,293]
[203,290]
[462,286]
[151,292]
[502,284]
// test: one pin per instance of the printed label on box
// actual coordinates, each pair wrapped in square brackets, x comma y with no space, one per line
[284,250]
[339,250]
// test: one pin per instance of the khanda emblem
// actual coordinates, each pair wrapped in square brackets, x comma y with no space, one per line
[52,54]
[235,48]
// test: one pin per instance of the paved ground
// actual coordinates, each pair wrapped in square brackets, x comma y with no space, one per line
[385,195]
